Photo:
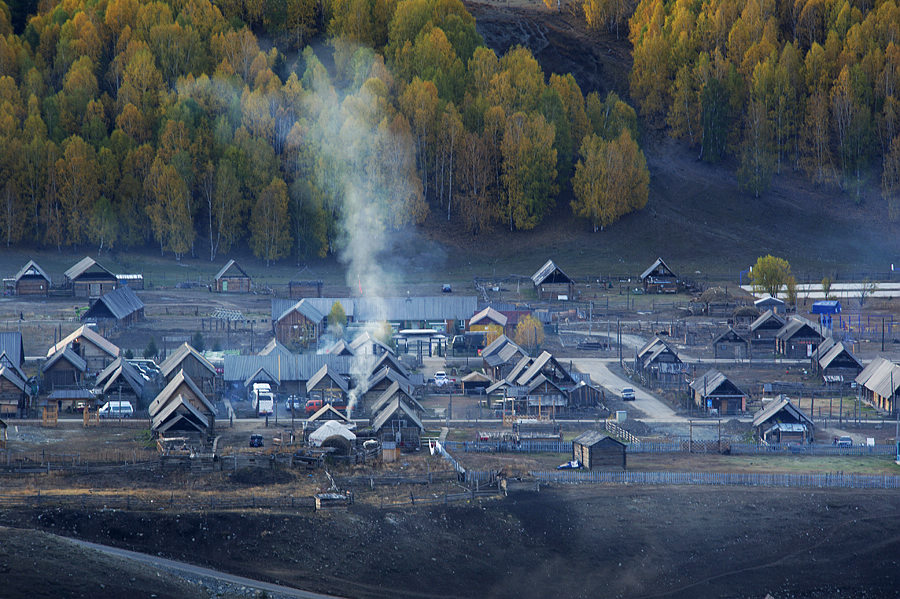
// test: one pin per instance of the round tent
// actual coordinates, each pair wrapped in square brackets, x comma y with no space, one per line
[330,430]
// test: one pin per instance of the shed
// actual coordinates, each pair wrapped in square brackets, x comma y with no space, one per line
[715,391]
[232,279]
[596,450]
[826,307]
[659,278]
[770,303]
[551,283]
[476,382]
[87,278]
[32,280]
[121,380]
[121,306]
[783,422]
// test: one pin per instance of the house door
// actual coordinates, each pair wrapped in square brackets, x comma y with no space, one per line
[95,290]
[225,285]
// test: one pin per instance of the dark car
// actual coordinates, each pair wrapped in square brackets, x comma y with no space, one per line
[446,288]
[256,440]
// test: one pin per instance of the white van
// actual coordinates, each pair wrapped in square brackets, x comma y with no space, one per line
[116,409]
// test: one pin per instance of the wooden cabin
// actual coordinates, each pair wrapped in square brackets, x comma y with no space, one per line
[299,326]
[798,338]
[659,362]
[64,369]
[121,381]
[399,424]
[232,279]
[96,351]
[659,278]
[878,383]
[181,406]
[835,362]
[88,278]
[120,306]
[188,360]
[769,303]
[14,392]
[489,321]
[783,422]
[731,345]
[32,280]
[596,450]
[551,283]
[715,393]
[301,289]
[328,386]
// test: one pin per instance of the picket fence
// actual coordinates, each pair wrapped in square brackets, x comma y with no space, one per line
[747,479]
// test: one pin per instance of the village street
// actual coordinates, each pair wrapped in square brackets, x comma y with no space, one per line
[650,405]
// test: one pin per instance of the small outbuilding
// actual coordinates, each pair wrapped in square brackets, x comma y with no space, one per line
[301,289]
[659,278]
[232,279]
[551,283]
[596,450]
[783,422]
[476,383]
[120,306]
[32,280]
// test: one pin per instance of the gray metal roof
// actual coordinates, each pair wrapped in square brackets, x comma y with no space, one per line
[328,409]
[592,437]
[381,374]
[881,376]
[491,315]
[388,360]
[12,376]
[169,415]
[768,301]
[764,317]
[339,348]
[228,265]
[67,353]
[274,347]
[729,335]
[546,270]
[166,394]
[833,352]
[31,269]
[121,303]
[326,372]
[396,405]
[395,390]
[709,384]
[306,308]
[11,345]
[296,367]
[86,333]
[782,403]
[495,345]
[659,263]
[365,309]
[175,359]
[85,264]
[795,325]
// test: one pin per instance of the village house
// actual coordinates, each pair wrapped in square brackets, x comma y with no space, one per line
[500,356]
[659,363]
[324,414]
[398,425]
[14,393]
[731,345]
[96,351]
[192,363]
[878,383]
[368,391]
[274,348]
[835,362]
[659,278]
[328,386]
[716,394]
[783,422]
[120,307]
[183,408]
[64,369]
[769,303]
[300,325]
[232,279]
[31,280]
[121,381]
[12,350]
[489,321]
[596,450]
[551,283]
[763,331]
[798,338]
[88,278]
[743,317]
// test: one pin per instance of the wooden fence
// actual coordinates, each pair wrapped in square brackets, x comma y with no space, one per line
[44,461]
[751,479]
[170,502]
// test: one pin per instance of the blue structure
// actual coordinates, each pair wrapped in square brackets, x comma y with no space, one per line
[826,307]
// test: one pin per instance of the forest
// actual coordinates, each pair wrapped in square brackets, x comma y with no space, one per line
[196,127]
[809,86]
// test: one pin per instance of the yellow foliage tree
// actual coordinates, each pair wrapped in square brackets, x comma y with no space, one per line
[529,333]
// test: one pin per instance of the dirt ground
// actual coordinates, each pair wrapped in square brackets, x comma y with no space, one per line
[564,542]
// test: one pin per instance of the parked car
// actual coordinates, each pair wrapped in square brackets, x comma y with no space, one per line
[570,465]
[440,378]
[293,403]
[256,440]
[445,288]
[312,406]
[116,409]
[627,394]
[844,442]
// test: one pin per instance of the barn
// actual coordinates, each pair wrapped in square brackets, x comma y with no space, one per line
[32,280]
[659,278]
[715,392]
[88,278]
[232,279]
[595,450]
[783,422]
[121,306]
[551,283]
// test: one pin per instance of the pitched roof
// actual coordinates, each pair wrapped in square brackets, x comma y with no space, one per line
[325,372]
[477,377]
[833,352]
[88,334]
[389,360]
[381,374]
[327,409]
[775,406]
[394,390]
[506,354]
[339,348]
[306,308]
[31,269]
[768,301]
[592,437]
[491,315]
[12,376]
[169,416]
[178,356]
[653,349]
[365,342]
[121,303]
[11,364]
[67,353]
[880,376]
[550,269]
[495,345]
[765,317]
[228,265]
[166,394]
[274,347]
[366,309]
[261,375]
[295,367]
[82,266]
[120,368]
[11,345]
[796,325]
[664,268]
[729,335]
[389,410]
[712,381]
[538,365]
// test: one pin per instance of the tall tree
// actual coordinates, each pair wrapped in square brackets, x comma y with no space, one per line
[269,224]
[168,209]
[78,172]
[529,169]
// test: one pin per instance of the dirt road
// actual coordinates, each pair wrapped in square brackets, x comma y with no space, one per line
[650,405]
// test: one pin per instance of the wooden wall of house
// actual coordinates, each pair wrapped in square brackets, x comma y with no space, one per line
[550,291]
[37,286]
[602,456]
[296,329]
[197,372]
[92,288]
[96,358]
[797,347]
[61,374]
[10,397]
[299,290]
[730,349]
[235,284]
